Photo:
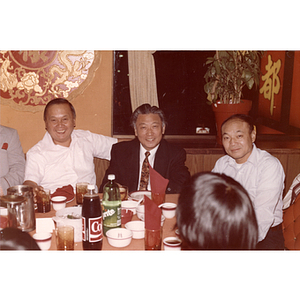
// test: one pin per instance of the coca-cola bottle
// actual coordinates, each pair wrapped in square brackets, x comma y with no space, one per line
[92,224]
[111,203]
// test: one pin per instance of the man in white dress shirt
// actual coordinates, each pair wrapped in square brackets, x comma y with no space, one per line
[260,173]
[64,156]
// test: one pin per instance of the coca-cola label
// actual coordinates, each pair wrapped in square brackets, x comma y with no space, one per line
[94,232]
[95,229]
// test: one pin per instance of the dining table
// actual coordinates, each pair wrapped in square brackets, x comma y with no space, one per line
[168,229]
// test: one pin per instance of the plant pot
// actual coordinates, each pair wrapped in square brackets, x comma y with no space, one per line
[224,111]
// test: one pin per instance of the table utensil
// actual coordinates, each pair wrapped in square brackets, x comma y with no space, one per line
[172,243]
[139,195]
[119,237]
[58,202]
[15,208]
[26,210]
[129,204]
[153,229]
[65,237]
[123,192]
[168,209]
[43,239]
[43,200]
[70,216]
[137,228]
[81,189]
[66,191]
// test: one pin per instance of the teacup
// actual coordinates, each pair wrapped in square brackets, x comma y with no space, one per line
[172,243]
[168,209]
[129,204]
[58,202]
[43,239]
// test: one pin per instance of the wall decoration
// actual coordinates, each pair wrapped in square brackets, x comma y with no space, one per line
[30,79]
[271,85]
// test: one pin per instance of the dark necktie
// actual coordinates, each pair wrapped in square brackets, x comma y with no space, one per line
[145,173]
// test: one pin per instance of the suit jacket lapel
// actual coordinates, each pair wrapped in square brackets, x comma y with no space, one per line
[161,159]
[135,162]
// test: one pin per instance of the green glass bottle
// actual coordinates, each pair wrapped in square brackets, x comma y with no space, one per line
[111,205]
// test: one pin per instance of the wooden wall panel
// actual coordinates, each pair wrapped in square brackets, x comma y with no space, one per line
[293,169]
[101,166]
[194,163]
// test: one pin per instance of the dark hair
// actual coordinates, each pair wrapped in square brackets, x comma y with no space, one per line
[241,117]
[215,212]
[147,109]
[15,239]
[59,101]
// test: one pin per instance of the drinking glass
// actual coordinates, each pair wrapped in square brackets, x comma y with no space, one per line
[43,200]
[65,237]
[81,189]
[153,239]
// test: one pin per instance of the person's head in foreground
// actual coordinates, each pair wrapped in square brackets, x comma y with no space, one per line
[214,212]
[15,239]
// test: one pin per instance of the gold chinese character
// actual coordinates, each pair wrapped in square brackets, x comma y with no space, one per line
[271,81]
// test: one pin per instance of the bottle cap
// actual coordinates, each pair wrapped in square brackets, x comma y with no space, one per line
[111,177]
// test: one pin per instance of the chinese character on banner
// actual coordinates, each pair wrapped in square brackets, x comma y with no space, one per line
[271,81]
[30,79]
[272,67]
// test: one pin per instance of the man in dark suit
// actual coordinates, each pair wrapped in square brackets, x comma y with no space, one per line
[127,157]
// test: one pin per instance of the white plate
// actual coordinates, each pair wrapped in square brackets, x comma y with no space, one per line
[139,195]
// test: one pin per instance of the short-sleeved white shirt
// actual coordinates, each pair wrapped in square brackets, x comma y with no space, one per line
[53,166]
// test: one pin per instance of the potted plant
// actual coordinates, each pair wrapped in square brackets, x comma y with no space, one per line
[227,74]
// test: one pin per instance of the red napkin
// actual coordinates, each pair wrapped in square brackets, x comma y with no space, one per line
[152,214]
[158,183]
[66,191]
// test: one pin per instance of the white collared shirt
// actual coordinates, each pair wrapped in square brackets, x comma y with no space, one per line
[262,176]
[53,166]
[151,158]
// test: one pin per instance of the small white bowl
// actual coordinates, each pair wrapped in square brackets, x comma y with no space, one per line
[137,228]
[43,239]
[119,237]
[172,243]
[139,195]
[168,209]
[59,202]
[129,204]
